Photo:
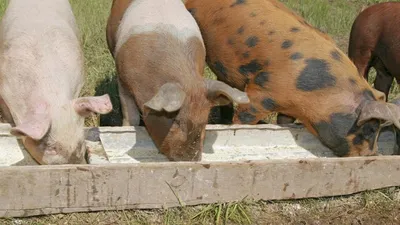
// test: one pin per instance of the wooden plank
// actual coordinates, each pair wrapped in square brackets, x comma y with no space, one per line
[38,190]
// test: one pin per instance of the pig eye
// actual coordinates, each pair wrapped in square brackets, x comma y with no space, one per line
[358,139]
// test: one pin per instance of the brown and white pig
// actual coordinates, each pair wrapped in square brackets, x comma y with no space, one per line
[41,75]
[375,42]
[287,66]
[160,59]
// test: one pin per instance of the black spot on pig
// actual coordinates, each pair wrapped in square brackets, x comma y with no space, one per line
[246,117]
[220,68]
[261,78]
[286,44]
[238,2]
[231,41]
[294,29]
[252,67]
[252,41]
[253,110]
[336,55]
[246,55]
[268,104]
[316,75]
[240,30]
[296,56]
[333,134]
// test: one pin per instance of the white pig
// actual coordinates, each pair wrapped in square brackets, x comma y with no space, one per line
[41,76]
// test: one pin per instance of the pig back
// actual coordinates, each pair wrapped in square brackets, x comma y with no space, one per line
[272,53]
[41,57]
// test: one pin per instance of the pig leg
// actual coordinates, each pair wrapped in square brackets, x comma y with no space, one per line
[362,58]
[383,80]
[130,111]
[221,114]
[226,114]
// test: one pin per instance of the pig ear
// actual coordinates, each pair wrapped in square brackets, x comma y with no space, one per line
[222,94]
[35,125]
[84,106]
[170,98]
[388,112]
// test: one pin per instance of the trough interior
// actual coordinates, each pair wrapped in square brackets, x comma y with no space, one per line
[222,143]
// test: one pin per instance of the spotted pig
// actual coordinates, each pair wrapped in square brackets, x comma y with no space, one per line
[160,56]
[287,66]
[374,42]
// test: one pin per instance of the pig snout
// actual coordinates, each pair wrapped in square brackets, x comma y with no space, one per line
[191,155]
[55,153]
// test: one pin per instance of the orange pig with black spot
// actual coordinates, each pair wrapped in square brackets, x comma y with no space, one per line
[287,66]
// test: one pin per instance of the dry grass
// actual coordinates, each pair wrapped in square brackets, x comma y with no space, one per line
[370,207]
[333,16]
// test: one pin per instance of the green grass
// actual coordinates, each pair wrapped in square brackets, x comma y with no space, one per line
[332,16]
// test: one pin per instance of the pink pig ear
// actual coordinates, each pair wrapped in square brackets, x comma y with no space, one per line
[35,125]
[84,106]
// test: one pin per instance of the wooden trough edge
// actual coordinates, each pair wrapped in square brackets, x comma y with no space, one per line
[39,190]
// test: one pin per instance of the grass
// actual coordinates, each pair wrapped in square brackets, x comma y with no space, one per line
[372,207]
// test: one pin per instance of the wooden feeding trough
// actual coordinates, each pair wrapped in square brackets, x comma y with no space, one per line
[125,171]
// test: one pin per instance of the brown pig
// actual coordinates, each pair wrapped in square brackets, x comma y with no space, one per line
[287,66]
[160,59]
[41,75]
[374,42]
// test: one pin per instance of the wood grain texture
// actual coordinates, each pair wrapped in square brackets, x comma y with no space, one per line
[38,190]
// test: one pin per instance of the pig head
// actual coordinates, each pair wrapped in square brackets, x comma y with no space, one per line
[41,75]
[160,57]
[176,118]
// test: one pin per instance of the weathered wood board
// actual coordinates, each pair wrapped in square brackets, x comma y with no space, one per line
[38,190]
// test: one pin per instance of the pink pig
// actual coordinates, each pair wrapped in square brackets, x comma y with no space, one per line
[41,76]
